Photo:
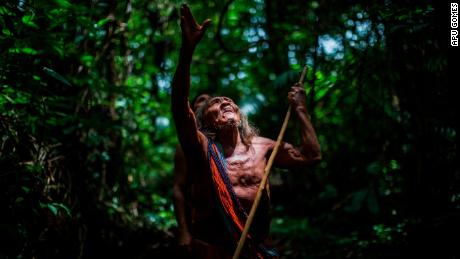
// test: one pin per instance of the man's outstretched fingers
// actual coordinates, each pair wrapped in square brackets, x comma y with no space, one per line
[185,11]
[206,24]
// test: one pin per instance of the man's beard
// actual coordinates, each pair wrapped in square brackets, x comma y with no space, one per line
[231,123]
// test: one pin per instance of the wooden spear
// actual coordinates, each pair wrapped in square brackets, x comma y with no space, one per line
[263,183]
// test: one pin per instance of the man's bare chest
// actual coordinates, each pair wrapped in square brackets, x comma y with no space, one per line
[246,167]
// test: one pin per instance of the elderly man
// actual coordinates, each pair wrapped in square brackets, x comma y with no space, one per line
[227,160]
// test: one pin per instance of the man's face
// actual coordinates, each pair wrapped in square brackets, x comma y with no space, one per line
[221,112]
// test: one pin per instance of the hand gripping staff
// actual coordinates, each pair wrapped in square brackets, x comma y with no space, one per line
[263,183]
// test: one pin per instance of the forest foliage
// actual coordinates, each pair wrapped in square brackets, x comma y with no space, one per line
[87,137]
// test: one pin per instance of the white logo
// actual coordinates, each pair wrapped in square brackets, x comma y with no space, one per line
[454,24]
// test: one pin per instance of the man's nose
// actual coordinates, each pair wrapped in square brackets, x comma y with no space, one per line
[225,103]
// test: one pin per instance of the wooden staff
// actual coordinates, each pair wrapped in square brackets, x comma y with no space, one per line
[263,183]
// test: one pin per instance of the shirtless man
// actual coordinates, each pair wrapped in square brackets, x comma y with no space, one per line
[228,159]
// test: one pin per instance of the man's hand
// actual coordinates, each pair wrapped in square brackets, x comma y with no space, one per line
[192,32]
[297,97]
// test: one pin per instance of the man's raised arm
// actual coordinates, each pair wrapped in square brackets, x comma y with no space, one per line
[184,118]
[310,151]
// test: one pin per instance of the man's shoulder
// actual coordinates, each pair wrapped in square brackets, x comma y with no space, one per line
[262,141]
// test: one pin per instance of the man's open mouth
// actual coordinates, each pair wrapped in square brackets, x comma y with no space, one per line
[227,109]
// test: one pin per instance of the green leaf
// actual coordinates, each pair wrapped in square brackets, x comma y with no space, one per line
[62,206]
[297,36]
[57,76]
[101,23]
[87,60]
[59,50]
[6,32]
[53,208]
[26,50]
[3,11]
[28,20]
[394,165]
[63,3]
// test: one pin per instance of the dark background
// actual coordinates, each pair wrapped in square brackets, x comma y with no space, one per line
[87,139]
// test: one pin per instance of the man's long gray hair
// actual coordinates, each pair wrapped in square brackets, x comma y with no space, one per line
[246,130]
